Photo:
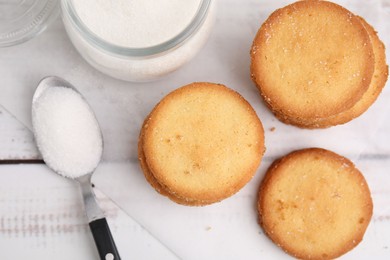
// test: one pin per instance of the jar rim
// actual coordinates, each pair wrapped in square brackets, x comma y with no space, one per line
[175,41]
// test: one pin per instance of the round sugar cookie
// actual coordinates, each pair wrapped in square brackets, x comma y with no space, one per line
[155,184]
[311,59]
[378,81]
[314,204]
[202,143]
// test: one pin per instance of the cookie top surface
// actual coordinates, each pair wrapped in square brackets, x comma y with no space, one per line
[203,141]
[312,59]
[377,83]
[156,185]
[314,204]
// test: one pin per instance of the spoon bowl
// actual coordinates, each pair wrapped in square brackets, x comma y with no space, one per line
[69,138]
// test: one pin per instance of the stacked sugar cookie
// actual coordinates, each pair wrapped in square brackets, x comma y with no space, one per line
[317,65]
[201,144]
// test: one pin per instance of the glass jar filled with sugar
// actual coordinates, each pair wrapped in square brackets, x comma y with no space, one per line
[138,40]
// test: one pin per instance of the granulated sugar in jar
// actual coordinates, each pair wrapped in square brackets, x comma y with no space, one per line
[138,40]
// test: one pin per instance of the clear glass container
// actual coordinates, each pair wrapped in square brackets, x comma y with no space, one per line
[21,20]
[140,63]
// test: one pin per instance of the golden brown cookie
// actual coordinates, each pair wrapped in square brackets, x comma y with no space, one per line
[155,184]
[202,143]
[378,81]
[311,59]
[314,204]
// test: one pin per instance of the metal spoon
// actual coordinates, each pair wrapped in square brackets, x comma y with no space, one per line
[97,222]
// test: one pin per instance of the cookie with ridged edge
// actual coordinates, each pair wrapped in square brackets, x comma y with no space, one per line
[378,81]
[202,143]
[311,59]
[314,204]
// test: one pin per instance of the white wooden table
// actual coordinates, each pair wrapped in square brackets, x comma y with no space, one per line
[41,215]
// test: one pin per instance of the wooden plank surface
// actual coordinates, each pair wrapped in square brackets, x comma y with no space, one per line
[42,217]
[16,140]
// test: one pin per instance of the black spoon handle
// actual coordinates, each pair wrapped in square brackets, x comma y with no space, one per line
[103,240]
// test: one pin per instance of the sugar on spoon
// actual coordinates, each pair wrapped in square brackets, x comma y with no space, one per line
[71,144]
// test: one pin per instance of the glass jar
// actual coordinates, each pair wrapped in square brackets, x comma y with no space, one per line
[24,19]
[139,63]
